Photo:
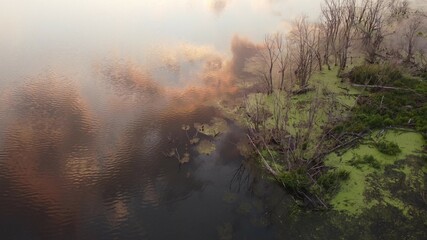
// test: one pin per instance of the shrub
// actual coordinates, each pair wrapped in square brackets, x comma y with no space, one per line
[331,179]
[388,107]
[366,159]
[375,74]
[375,121]
[269,154]
[295,180]
[389,148]
[371,161]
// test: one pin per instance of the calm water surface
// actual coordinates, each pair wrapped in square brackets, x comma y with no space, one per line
[93,96]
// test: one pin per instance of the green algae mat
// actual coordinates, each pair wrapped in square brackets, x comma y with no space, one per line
[380,179]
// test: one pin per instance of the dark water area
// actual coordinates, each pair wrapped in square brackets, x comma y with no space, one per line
[72,167]
[93,95]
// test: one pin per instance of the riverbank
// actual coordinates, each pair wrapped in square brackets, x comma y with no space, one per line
[372,152]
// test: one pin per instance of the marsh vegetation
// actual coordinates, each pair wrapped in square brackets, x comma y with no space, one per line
[327,88]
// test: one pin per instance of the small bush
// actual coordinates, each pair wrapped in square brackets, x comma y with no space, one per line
[375,121]
[388,122]
[389,148]
[371,161]
[375,74]
[421,120]
[331,179]
[269,154]
[295,180]
[388,107]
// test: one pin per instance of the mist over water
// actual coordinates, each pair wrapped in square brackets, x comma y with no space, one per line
[93,96]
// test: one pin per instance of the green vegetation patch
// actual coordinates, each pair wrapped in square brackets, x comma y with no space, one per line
[295,180]
[368,185]
[389,148]
[375,74]
[265,109]
[393,99]
[356,179]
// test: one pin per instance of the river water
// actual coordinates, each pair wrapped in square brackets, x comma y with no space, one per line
[95,95]
[93,98]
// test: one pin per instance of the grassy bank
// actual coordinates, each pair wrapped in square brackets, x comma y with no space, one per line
[379,106]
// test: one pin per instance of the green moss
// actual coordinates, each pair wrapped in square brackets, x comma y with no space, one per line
[360,191]
[334,84]
[408,142]
[350,198]
[414,169]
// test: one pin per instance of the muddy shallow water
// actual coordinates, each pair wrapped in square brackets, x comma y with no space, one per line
[100,107]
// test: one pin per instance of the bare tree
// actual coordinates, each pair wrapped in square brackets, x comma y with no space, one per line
[398,8]
[338,19]
[411,35]
[317,44]
[372,21]
[346,30]
[303,38]
[375,19]
[331,20]
[272,62]
[283,58]
[269,55]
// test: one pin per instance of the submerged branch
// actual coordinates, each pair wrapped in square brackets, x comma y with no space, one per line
[267,166]
[383,87]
